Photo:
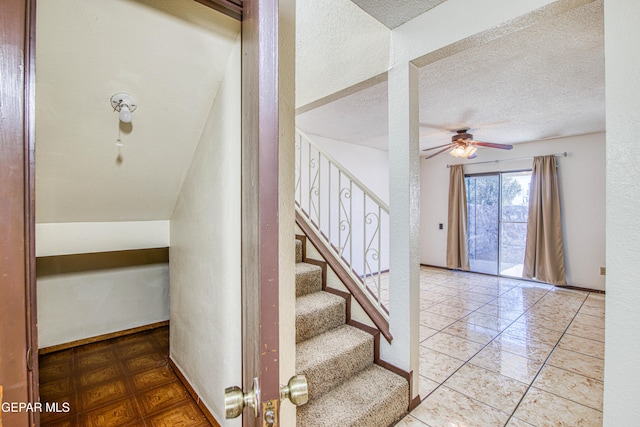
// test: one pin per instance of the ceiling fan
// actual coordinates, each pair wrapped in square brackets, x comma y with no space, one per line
[463,146]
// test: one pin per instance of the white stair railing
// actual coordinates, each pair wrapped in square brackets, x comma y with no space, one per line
[350,219]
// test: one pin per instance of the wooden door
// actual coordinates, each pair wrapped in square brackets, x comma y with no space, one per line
[18,343]
[260,226]
[268,135]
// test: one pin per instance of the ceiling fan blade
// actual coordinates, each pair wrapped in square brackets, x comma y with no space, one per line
[441,151]
[492,145]
[439,146]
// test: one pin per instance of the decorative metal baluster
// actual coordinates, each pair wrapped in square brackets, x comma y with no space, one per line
[369,276]
[329,192]
[364,240]
[379,257]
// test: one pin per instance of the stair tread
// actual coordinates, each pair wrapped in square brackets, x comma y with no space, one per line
[329,345]
[316,301]
[375,397]
[318,312]
[305,267]
[328,359]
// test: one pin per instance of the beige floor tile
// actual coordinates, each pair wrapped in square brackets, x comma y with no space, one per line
[447,310]
[510,303]
[522,330]
[424,304]
[595,300]
[589,320]
[572,386]
[502,312]
[426,387]
[535,321]
[475,296]
[552,311]
[452,345]
[435,321]
[582,345]
[530,349]
[446,407]
[514,422]
[508,364]
[445,290]
[488,321]
[476,333]
[543,409]
[490,290]
[461,301]
[579,363]
[586,331]
[592,311]
[488,387]
[410,421]
[426,332]
[432,297]
[437,366]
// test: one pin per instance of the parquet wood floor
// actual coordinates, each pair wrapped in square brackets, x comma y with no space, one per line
[121,382]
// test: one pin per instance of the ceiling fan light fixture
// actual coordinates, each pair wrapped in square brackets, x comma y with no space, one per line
[469,151]
[458,151]
[462,151]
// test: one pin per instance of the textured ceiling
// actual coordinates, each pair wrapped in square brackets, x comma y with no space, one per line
[542,82]
[171,56]
[395,13]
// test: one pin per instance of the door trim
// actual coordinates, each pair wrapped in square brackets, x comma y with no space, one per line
[18,337]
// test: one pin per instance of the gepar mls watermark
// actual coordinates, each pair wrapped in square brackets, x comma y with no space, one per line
[35,407]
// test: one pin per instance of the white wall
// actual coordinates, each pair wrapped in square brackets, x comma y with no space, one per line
[622,346]
[330,55]
[582,198]
[76,306]
[369,165]
[84,237]
[205,263]
[83,305]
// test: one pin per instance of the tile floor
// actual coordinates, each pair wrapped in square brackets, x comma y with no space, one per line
[116,383]
[493,352]
[505,352]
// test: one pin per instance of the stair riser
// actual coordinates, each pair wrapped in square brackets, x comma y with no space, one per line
[298,250]
[333,371]
[393,408]
[317,322]
[308,282]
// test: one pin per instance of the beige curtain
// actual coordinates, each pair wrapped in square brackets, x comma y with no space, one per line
[544,252]
[457,246]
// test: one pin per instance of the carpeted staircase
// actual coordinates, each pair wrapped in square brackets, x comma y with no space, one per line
[346,388]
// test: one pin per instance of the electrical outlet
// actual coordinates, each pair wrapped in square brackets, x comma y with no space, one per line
[603,271]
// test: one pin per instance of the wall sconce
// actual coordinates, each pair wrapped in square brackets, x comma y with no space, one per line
[125,104]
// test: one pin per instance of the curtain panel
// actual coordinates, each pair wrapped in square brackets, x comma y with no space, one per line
[544,251]
[457,234]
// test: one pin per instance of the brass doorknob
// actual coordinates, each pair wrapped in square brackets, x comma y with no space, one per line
[297,390]
[235,400]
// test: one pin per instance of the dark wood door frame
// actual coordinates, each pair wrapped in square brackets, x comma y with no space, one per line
[18,334]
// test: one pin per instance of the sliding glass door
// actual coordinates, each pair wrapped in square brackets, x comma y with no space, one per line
[483,210]
[497,206]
